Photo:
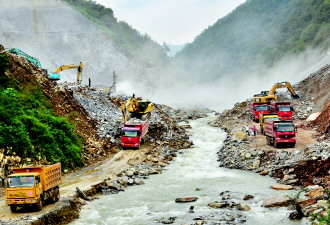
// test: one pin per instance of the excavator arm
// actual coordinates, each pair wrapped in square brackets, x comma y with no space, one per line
[71,66]
[284,84]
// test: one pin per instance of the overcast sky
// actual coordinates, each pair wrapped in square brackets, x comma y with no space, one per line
[171,21]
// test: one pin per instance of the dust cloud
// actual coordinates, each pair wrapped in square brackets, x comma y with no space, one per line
[175,87]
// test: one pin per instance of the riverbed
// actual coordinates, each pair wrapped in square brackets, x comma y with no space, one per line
[195,172]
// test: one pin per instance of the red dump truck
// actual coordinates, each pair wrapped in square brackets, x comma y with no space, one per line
[32,186]
[133,133]
[281,132]
[283,109]
[257,108]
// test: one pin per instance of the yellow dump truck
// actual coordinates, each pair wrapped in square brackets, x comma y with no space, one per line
[266,117]
[32,186]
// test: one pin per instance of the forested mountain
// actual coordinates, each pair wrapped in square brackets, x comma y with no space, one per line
[132,41]
[258,32]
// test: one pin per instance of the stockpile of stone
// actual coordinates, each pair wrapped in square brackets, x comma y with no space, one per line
[302,109]
[163,128]
[101,109]
[237,154]
[230,117]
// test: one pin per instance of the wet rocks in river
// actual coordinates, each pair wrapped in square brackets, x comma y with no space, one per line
[222,204]
[278,201]
[281,187]
[186,199]
[248,197]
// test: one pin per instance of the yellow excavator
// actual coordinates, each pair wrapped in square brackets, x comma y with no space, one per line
[56,74]
[137,108]
[271,94]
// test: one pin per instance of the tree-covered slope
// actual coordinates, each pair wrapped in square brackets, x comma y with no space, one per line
[38,123]
[141,46]
[258,32]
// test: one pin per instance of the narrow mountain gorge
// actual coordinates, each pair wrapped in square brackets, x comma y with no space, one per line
[199,120]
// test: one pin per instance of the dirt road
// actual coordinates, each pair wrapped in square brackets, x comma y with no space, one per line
[304,138]
[85,179]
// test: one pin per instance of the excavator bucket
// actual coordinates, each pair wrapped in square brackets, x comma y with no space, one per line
[295,96]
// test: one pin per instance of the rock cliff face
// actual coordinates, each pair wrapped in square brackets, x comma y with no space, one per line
[56,34]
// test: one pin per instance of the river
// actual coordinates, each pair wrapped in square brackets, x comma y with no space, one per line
[196,172]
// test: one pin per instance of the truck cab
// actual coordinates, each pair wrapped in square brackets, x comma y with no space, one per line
[280,132]
[131,137]
[133,133]
[32,186]
[283,109]
[259,108]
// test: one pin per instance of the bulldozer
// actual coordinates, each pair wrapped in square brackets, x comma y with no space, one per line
[136,108]
[56,74]
[271,94]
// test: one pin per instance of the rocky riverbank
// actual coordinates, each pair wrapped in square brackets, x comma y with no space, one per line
[306,165]
[109,174]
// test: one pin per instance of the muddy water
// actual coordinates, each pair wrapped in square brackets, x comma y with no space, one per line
[193,173]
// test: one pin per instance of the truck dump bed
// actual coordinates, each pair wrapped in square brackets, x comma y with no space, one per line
[50,175]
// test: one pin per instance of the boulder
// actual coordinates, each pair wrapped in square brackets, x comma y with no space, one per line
[221,204]
[186,199]
[248,197]
[263,173]
[138,181]
[306,202]
[240,136]
[243,206]
[281,187]
[279,201]
[316,192]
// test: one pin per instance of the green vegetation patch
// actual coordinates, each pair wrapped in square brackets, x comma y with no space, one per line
[29,128]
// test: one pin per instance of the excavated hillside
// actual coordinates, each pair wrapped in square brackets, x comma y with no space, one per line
[97,118]
[316,88]
[61,35]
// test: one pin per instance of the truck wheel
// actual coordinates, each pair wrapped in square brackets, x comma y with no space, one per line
[268,140]
[52,198]
[13,208]
[39,204]
[57,194]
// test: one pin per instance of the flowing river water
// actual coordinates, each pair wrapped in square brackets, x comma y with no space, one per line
[196,172]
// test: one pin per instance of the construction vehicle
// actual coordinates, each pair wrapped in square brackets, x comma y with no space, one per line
[259,108]
[33,185]
[280,132]
[33,60]
[262,93]
[56,74]
[19,52]
[271,95]
[133,133]
[137,108]
[283,109]
[266,117]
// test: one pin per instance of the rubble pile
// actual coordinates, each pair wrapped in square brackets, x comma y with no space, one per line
[101,109]
[236,154]
[230,117]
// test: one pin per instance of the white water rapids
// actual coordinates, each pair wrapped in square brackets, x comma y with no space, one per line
[195,168]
